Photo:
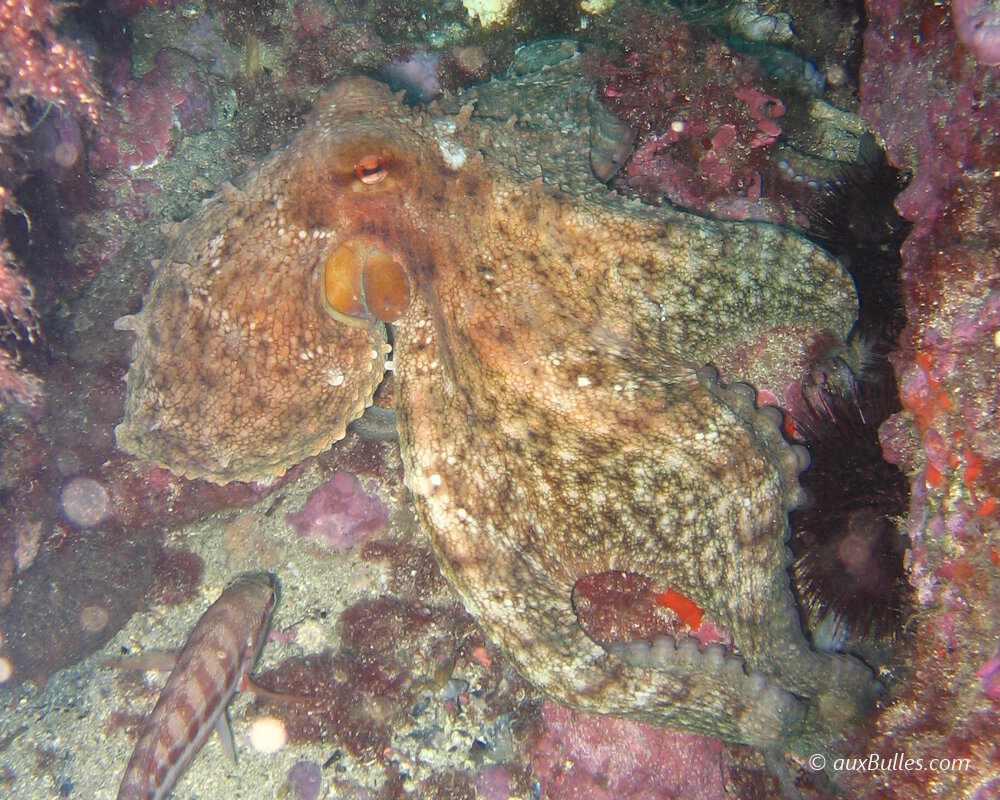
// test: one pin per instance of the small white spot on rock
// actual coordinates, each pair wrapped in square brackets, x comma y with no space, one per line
[268,734]
[85,502]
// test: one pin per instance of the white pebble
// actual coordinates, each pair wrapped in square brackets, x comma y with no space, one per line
[268,734]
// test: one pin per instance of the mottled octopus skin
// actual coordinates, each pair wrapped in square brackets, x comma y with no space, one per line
[555,416]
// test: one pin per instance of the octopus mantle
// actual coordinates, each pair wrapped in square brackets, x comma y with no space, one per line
[555,415]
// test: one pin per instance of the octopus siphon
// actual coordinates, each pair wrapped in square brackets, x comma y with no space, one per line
[557,412]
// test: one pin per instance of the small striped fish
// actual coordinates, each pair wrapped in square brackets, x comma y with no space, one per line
[216,661]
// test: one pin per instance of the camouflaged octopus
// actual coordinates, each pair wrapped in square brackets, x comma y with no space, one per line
[555,414]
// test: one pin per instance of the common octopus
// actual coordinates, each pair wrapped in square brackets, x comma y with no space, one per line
[556,415]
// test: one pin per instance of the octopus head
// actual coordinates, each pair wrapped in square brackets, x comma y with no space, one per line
[263,334]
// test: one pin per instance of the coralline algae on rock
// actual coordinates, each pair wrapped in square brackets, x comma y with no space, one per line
[341,512]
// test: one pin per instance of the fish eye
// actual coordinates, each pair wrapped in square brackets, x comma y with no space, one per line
[370,169]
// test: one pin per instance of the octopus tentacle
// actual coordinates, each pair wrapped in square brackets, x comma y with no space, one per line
[649,508]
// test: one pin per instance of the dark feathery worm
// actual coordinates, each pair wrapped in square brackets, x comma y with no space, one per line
[216,661]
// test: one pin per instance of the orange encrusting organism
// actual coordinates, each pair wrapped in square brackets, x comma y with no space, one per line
[684,607]
[928,403]
[936,398]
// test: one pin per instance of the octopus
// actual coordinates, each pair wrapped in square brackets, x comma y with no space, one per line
[555,351]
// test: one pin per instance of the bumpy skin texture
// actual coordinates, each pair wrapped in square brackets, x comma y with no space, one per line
[238,372]
[554,414]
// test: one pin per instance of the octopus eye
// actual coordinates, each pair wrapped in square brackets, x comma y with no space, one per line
[370,169]
[362,282]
